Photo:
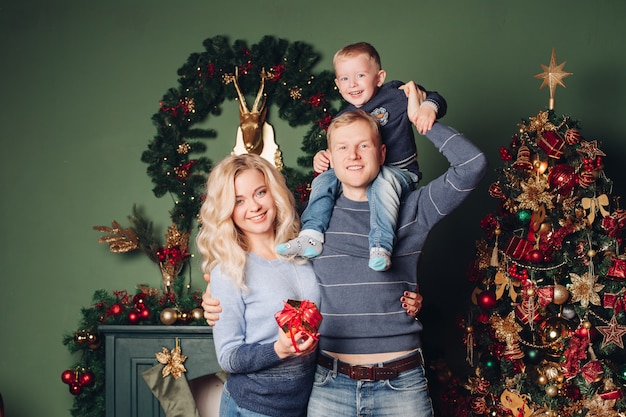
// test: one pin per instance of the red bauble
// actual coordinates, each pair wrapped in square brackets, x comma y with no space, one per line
[572,136]
[68,376]
[144,313]
[536,256]
[486,300]
[582,332]
[116,309]
[86,379]
[133,317]
[562,178]
[139,300]
[75,389]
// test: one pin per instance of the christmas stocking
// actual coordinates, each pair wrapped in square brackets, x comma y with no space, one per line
[174,394]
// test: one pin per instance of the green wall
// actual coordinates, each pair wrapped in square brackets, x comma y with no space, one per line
[80,81]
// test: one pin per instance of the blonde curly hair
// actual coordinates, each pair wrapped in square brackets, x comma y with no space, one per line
[219,240]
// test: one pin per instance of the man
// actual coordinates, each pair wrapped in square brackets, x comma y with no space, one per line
[370,361]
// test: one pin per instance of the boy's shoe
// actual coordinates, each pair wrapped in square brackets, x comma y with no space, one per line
[304,246]
[380,259]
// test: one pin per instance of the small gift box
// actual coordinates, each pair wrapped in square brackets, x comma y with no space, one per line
[518,248]
[617,269]
[299,316]
[552,143]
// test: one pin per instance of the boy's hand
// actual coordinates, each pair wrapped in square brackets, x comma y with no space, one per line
[321,161]
[426,116]
[422,115]
[415,98]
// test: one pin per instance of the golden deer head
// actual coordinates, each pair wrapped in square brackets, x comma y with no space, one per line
[251,121]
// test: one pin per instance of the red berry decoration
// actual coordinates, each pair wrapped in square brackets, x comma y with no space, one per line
[487,300]
[68,376]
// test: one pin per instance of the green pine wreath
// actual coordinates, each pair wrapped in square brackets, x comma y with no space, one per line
[302,97]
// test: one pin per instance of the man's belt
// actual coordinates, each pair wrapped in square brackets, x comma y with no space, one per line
[388,370]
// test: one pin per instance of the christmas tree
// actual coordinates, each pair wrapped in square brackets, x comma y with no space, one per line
[544,335]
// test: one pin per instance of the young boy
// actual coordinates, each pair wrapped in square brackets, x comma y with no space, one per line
[360,81]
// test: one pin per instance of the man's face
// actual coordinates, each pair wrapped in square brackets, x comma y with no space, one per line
[356,154]
[358,78]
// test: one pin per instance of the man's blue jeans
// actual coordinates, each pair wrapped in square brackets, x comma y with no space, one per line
[335,394]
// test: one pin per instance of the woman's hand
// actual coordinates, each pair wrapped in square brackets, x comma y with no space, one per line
[211,306]
[412,302]
[284,345]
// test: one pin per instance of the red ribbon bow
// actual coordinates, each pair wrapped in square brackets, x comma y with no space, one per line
[299,316]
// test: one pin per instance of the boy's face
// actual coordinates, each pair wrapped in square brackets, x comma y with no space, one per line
[358,78]
[356,154]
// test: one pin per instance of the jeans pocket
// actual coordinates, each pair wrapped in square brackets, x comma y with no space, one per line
[322,376]
[412,380]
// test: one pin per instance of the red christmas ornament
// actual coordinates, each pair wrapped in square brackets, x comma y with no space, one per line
[139,300]
[144,313]
[562,178]
[572,136]
[586,179]
[133,317]
[86,379]
[536,256]
[68,376]
[116,309]
[486,300]
[75,389]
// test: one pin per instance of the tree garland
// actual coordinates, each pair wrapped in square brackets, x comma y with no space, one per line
[302,98]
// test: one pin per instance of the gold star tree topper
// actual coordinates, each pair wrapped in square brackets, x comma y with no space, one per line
[553,75]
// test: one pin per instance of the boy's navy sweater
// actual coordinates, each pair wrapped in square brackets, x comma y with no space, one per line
[389,107]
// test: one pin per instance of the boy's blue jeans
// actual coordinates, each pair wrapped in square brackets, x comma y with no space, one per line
[384,196]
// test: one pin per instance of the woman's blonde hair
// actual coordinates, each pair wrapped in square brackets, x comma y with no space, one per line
[219,240]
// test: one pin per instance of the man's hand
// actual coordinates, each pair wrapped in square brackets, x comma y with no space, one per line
[211,306]
[321,161]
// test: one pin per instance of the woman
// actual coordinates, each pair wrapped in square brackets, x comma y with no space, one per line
[248,209]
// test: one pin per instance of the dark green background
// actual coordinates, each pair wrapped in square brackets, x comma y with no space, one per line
[80,81]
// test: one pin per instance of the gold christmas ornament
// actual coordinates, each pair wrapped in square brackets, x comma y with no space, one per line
[173,361]
[197,314]
[168,316]
[561,295]
[584,289]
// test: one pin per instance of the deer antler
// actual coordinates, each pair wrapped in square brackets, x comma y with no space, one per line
[259,95]
[242,99]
